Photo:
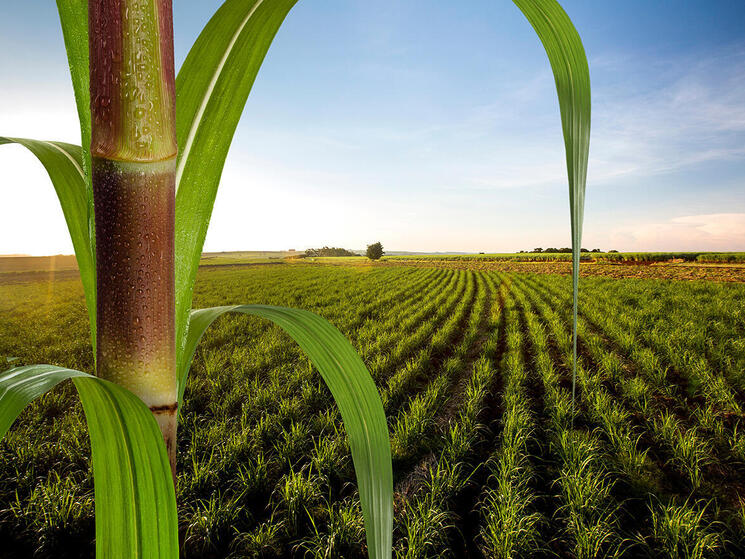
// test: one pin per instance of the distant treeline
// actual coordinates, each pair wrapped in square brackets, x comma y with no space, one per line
[329,251]
[551,250]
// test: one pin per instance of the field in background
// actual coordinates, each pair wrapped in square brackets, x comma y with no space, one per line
[246,257]
[218,258]
[602,257]
[61,263]
[473,361]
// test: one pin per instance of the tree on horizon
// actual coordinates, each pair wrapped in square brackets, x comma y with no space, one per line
[374,251]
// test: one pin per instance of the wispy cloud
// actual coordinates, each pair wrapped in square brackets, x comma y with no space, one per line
[670,115]
[713,232]
[695,114]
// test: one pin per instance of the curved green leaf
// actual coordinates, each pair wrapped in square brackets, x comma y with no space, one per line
[63,163]
[134,494]
[572,75]
[354,392]
[211,91]
[73,16]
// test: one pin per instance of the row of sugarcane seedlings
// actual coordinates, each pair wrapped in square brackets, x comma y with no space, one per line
[489,457]
[722,257]
[668,427]
[602,257]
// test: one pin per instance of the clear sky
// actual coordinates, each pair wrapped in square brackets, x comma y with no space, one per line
[432,125]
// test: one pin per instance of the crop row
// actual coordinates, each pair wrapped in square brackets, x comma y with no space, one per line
[617,401]
[490,457]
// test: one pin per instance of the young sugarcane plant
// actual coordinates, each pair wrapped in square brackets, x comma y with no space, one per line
[137,196]
[133,167]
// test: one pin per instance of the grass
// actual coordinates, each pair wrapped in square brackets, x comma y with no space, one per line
[683,532]
[493,461]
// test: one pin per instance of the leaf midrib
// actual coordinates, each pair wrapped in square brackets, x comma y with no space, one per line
[70,157]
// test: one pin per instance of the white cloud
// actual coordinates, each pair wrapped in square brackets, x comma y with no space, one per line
[717,227]
[710,232]
[663,116]
[695,115]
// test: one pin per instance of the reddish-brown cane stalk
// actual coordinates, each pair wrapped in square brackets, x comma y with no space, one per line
[133,149]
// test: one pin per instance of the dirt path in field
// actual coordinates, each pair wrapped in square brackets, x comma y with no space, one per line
[469,515]
[459,384]
[547,467]
[464,536]
[436,362]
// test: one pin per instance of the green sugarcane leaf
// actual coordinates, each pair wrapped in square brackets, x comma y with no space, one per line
[64,164]
[73,16]
[211,91]
[134,495]
[353,390]
[572,75]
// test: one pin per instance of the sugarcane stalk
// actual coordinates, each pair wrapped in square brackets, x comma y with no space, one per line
[133,150]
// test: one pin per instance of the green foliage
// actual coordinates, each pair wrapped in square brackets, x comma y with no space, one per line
[329,251]
[722,257]
[374,251]
[647,257]
[572,75]
[683,531]
[510,526]
[510,257]
[55,512]
[134,490]
[497,431]
[212,87]
[354,392]
[296,497]
[64,164]
[344,529]
[426,528]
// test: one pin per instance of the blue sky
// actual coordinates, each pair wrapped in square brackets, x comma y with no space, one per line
[433,125]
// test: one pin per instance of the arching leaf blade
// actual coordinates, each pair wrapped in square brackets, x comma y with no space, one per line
[568,60]
[354,392]
[64,165]
[21,385]
[134,493]
[73,16]
[212,87]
